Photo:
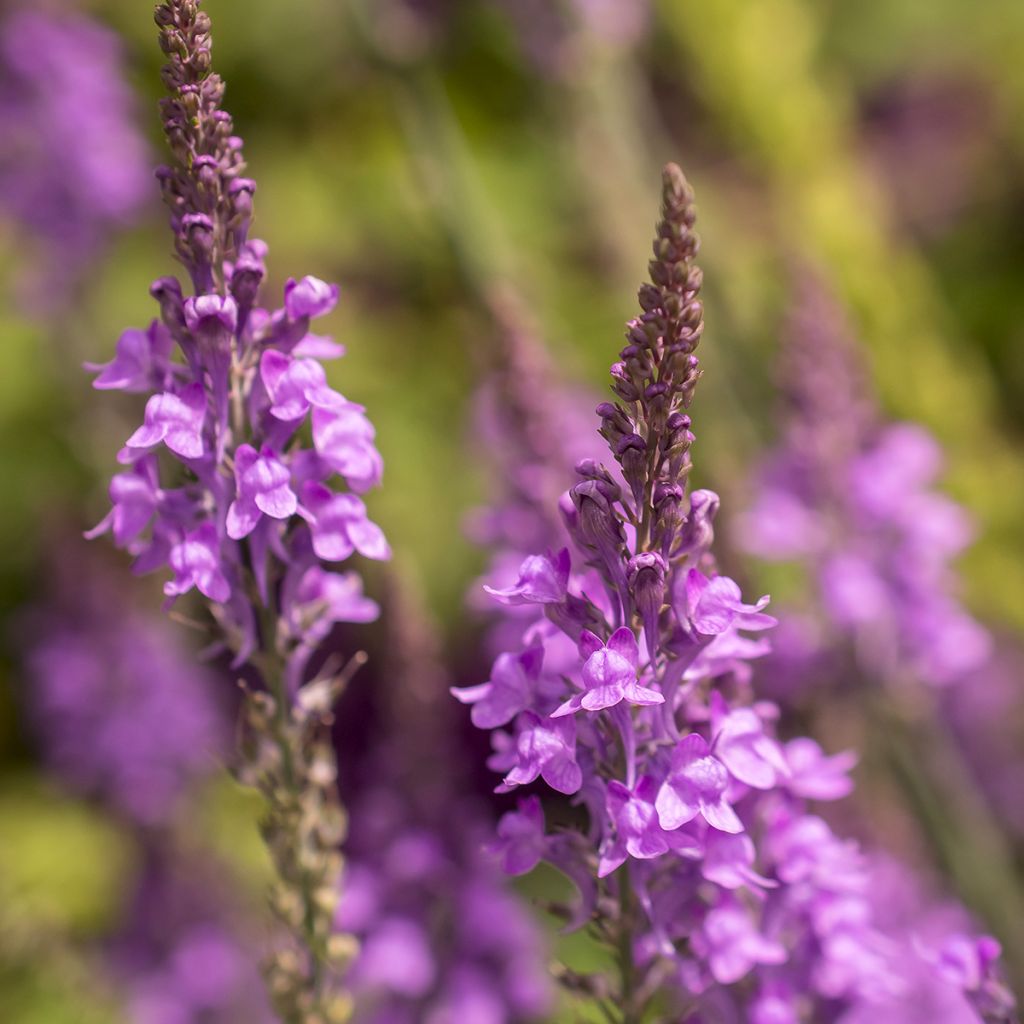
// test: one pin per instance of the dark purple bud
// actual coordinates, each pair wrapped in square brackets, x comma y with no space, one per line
[650,297]
[678,438]
[646,576]
[198,229]
[698,531]
[668,501]
[207,172]
[631,451]
[597,522]
[589,469]
[247,275]
[635,334]
[167,292]
[241,191]
[622,385]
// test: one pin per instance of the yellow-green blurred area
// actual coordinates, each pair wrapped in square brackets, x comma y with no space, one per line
[422,152]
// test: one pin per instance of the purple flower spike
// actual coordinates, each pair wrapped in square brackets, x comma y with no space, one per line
[196,563]
[224,512]
[309,297]
[508,692]
[696,785]
[609,674]
[547,749]
[296,385]
[543,579]
[340,525]
[733,945]
[708,917]
[175,419]
[140,362]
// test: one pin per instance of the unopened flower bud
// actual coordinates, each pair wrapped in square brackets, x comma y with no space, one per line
[622,384]
[631,451]
[698,532]
[646,576]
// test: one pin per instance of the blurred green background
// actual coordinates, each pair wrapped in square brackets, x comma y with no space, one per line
[419,153]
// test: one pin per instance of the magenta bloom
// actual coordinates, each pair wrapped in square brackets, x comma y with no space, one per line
[546,748]
[609,675]
[340,526]
[177,420]
[196,563]
[521,841]
[296,385]
[696,785]
[509,690]
[262,488]
[733,945]
[543,579]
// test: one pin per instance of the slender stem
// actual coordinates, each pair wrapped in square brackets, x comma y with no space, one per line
[632,1012]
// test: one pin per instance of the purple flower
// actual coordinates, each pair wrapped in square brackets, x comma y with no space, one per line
[121,714]
[729,861]
[340,526]
[508,691]
[262,482]
[714,918]
[134,499]
[176,420]
[141,361]
[815,776]
[714,606]
[211,312]
[609,674]
[547,749]
[750,756]
[196,563]
[344,440]
[733,945]
[337,597]
[521,842]
[543,579]
[696,785]
[309,297]
[75,167]
[638,832]
[397,956]
[296,385]
[219,506]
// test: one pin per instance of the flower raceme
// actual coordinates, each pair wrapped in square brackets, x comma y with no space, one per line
[723,896]
[243,480]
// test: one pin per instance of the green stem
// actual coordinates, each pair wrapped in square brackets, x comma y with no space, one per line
[631,1012]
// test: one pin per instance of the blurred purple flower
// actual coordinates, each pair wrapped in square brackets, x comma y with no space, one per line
[74,166]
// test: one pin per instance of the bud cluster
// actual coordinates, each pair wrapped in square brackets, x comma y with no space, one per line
[209,200]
